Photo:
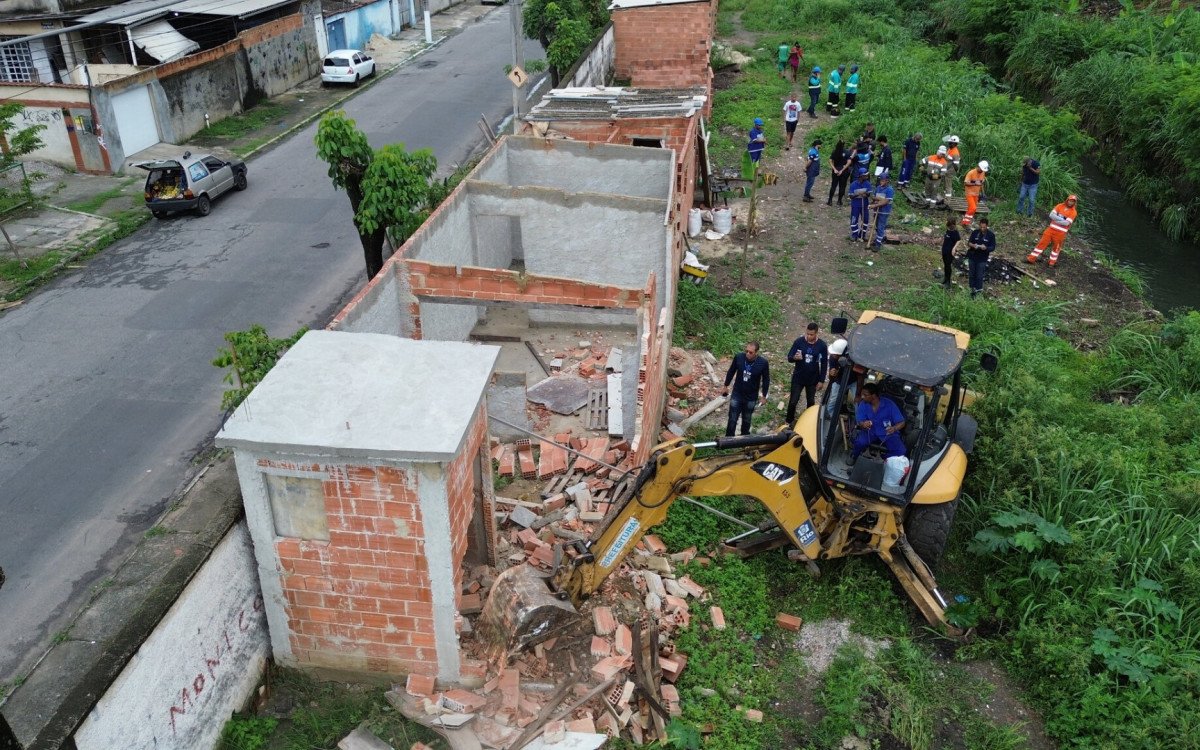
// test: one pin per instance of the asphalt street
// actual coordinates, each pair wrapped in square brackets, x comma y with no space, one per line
[107,391]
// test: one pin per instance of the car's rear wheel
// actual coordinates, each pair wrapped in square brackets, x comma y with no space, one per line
[928,527]
[239,181]
[158,214]
[204,206]
[356,79]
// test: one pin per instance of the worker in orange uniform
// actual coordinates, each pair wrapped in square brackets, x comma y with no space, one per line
[1061,219]
[955,165]
[973,183]
[934,167]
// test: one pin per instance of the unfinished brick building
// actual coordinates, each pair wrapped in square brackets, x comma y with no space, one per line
[363,456]
[664,43]
[367,486]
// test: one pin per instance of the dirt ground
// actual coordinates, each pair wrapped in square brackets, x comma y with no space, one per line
[801,253]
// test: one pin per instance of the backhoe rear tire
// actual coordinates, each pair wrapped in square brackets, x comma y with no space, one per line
[928,527]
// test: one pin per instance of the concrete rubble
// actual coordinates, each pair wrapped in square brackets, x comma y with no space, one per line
[612,673]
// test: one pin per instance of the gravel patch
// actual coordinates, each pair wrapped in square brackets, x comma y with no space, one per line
[820,641]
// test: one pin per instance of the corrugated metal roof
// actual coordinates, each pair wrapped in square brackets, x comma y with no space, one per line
[134,12]
[612,103]
[161,41]
[622,4]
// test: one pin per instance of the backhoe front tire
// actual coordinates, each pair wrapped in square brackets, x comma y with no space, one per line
[928,527]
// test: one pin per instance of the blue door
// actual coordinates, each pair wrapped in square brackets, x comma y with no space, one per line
[335,32]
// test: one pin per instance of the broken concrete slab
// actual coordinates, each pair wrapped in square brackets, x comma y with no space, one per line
[522,516]
[561,395]
[363,738]
[570,741]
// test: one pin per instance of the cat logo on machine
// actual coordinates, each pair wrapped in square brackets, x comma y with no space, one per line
[774,472]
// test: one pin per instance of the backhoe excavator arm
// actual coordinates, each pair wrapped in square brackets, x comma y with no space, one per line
[773,469]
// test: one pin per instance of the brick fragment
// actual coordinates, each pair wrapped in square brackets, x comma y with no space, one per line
[470,604]
[586,725]
[718,617]
[623,641]
[603,621]
[463,701]
[555,732]
[683,381]
[754,715]
[691,587]
[510,688]
[600,647]
[788,622]
[609,666]
[654,544]
[420,685]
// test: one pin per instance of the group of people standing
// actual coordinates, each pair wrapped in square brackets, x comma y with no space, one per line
[748,379]
[870,203]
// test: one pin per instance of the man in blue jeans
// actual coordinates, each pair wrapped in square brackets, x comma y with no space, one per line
[881,206]
[749,374]
[1031,172]
[911,147]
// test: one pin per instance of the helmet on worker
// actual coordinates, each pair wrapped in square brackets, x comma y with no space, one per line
[817,69]
[952,139]
[984,166]
[942,151]
[758,121]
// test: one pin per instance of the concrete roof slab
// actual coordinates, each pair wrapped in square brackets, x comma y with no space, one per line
[365,395]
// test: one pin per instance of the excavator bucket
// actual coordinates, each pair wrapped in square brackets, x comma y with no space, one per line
[521,610]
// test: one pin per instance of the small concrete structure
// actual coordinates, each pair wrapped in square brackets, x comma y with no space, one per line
[367,484]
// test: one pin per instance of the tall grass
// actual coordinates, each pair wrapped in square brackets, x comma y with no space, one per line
[722,323]
[1135,79]
[1105,629]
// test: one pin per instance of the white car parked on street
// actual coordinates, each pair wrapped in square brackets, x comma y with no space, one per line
[346,66]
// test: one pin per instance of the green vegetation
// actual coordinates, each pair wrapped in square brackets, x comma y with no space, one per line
[564,28]
[722,323]
[1134,78]
[324,713]
[248,123]
[910,87]
[1081,505]
[250,356]
[247,732]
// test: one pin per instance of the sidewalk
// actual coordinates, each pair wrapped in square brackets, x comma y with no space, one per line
[58,234]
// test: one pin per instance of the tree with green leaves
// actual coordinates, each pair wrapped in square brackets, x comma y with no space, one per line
[250,356]
[564,28]
[21,141]
[389,188]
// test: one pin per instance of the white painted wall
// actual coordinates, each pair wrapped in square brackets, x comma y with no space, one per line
[200,664]
[55,139]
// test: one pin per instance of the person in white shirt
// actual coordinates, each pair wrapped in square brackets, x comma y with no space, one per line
[791,115]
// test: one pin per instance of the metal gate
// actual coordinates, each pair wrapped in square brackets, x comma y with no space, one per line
[136,124]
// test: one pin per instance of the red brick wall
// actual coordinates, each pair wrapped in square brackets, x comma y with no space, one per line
[461,492]
[361,600]
[498,285]
[664,46]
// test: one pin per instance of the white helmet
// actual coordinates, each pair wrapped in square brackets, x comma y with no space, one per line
[942,150]
[952,139]
[984,166]
[838,347]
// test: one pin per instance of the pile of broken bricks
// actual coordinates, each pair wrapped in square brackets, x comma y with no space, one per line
[611,674]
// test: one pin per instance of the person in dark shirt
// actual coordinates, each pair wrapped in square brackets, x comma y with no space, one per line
[839,164]
[812,168]
[885,156]
[912,147]
[980,245]
[810,359]
[1031,174]
[949,240]
[749,374]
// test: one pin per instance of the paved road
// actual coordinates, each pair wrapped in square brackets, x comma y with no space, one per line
[106,388]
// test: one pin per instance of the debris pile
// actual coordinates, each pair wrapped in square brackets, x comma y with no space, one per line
[610,674]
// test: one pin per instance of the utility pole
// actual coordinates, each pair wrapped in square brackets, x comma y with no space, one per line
[514,10]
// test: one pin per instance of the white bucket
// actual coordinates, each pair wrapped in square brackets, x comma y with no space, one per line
[695,222]
[894,470]
[723,220]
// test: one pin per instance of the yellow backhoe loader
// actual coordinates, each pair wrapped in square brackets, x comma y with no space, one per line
[823,504]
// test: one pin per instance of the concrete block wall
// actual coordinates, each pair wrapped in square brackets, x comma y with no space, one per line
[665,46]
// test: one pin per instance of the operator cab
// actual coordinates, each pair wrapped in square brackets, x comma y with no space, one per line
[918,366]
